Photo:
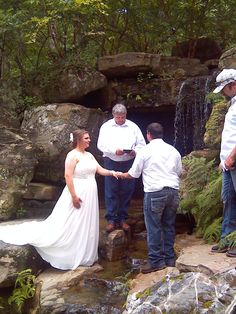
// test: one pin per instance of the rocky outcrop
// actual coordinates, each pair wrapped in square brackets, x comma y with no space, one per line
[9,119]
[228,59]
[17,163]
[146,92]
[136,63]
[201,48]
[205,282]
[128,64]
[113,246]
[39,200]
[49,127]
[201,280]
[14,259]
[66,85]
[186,293]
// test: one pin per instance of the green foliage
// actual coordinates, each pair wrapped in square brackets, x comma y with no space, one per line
[229,240]
[200,192]
[141,77]
[138,98]
[209,204]
[34,33]
[20,212]
[24,289]
[126,279]
[144,294]
[213,231]
[37,35]
[1,304]
[214,125]
[214,97]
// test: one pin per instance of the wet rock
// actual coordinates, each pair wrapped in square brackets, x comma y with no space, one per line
[186,293]
[54,283]
[201,281]
[192,104]
[113,246]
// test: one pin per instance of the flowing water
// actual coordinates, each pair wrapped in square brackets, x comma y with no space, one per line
[192,112]
[106,291]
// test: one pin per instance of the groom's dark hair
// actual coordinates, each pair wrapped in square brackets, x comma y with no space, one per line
[155,129]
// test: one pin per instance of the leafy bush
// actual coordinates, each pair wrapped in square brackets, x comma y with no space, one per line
[24,289]
[229,240]
[213,231]
[200,192]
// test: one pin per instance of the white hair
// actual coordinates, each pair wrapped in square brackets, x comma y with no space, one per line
[119,109]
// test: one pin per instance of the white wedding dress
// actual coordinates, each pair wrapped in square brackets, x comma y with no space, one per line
[68,238]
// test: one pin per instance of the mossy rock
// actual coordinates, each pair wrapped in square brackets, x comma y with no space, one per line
[214,125]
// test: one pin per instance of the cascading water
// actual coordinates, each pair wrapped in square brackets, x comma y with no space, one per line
[192,113]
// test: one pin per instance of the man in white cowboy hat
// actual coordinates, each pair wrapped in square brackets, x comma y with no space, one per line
[226,85]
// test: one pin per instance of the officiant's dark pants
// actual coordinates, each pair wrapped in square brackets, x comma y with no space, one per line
[118,193]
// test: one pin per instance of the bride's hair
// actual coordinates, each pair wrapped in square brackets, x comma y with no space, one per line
[77,136]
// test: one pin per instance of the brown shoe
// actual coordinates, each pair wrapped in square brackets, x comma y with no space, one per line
[231,252]
[125,226]
[219,249]
[110,227]
[148,268]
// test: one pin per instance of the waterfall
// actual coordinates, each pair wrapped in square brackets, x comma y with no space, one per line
[192,112]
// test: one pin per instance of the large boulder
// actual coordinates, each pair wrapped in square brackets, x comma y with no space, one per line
[134,64]
[128,64]
[9,119]
[146,94]
[49,127]
[184,293]
[39,200]
[201,48]
[14,259]
[66,85]
[228,59]
[17,162]
[176,67]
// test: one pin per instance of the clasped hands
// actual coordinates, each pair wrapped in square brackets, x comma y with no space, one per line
[118,175]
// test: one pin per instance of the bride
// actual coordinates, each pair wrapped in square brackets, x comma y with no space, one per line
[68,238]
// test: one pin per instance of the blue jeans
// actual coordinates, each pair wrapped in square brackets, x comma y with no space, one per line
[160,212]
[118,193]
[229,199]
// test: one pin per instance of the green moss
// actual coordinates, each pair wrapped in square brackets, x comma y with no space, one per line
[214,125]
[207,304]
[177,278]
[143,294]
